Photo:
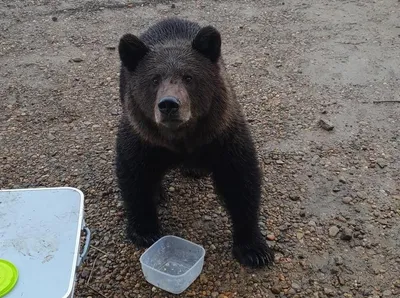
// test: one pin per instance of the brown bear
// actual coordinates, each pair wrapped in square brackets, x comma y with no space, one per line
[179,110]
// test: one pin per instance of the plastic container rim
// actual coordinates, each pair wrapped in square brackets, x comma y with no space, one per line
[203,252]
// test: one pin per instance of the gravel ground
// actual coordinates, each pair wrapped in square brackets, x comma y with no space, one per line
[314,77]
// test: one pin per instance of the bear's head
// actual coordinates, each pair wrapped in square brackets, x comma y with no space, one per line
[173,84]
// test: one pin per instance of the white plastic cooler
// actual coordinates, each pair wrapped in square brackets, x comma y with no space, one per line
[40,231]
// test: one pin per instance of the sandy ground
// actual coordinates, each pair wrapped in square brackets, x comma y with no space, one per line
[331,202]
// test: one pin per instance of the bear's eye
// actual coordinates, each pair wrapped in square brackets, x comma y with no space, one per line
[187,78]
[155,80]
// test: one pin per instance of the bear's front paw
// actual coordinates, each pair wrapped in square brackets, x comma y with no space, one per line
[254,255]
[144,240]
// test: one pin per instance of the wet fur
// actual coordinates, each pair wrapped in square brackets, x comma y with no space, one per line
[219,142]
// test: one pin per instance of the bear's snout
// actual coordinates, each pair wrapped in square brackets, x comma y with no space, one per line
[169,106]
[172,107]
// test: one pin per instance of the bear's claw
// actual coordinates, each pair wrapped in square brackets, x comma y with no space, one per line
[255,255]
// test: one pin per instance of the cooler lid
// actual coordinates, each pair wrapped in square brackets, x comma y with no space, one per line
[40,234]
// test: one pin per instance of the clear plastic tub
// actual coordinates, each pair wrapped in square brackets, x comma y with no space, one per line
[172,263]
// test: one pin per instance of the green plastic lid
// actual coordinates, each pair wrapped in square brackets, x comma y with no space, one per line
[8,277]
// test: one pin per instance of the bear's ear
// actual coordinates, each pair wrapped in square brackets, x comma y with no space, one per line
[208,43]
[131,51]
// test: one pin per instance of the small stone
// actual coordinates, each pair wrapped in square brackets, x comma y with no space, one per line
[324,124]
[292,292]
[271,237]
[77,59]
[294,197]
[362,195]
[300,235]
[329,292]
[279,162]
[302,213]
[342,180]
[171,189]
[387,293]
[276,289]
[346,234]
[381,163]
[214,294]
[333,231]
[338,260]
[207,218]
[173,5]
[347,200]
[203,279]
[397,283]
[154,289]
[296,286]
[336,189]
[111,48]
[54,19]
[312,223]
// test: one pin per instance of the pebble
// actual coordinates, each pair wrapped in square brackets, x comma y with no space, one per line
[312,223]
[346,234]
[294,197]
[203,279]
[333,231]
[279,162]
[207,218]
[54,19]
[276,289]
[326,125]
[296,286]
[347,200]
[292,292]
[338,260]
[387,293]
[271,237]
[77,59]
[329,292]
[381,163]
[300,235]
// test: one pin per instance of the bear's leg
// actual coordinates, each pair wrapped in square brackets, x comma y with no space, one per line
[237,179]
[139,194]
[139,173]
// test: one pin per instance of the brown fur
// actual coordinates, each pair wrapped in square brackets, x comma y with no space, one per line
[202,129]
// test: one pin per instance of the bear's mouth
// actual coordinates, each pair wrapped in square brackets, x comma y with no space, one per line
[172,124]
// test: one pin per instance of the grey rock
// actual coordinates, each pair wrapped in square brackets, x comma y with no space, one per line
[333,231]
[346,234]
[326,125]
[347,200]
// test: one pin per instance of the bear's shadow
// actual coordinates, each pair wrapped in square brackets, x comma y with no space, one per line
[188,209]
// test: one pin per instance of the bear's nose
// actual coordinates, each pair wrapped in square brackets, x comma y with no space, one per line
[168,105]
